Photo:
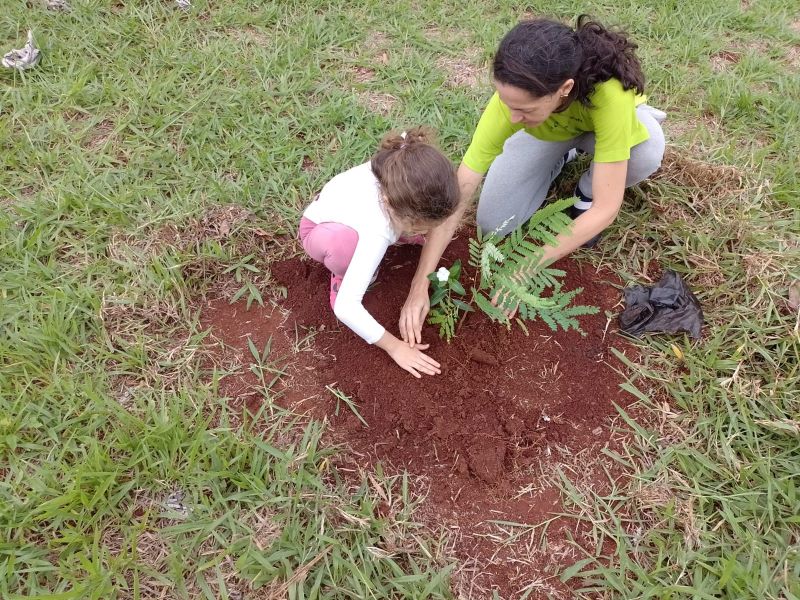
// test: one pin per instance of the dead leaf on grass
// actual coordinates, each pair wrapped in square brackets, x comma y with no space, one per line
[363,74]
[723,58]
[794,295]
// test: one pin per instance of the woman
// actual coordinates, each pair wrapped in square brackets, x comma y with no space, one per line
[557,89]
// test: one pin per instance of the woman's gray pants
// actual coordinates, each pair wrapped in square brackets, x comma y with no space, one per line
[517,182]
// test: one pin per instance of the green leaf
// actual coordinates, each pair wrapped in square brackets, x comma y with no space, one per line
[457,287]
[438,295]
[455,270]
[575,568]
[463,305]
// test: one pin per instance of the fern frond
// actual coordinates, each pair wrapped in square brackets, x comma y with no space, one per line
[546,212]
[519,292]
[513,266]
[490,256]
[493,312]
[475,251]
[550,221]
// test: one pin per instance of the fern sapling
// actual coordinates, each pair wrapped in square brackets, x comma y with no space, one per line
[510,271]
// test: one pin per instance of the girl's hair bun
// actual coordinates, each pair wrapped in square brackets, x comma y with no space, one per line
[418,182]
[415,135]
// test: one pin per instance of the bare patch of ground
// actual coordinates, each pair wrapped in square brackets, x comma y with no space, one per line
[723,59]
[704,178]
[376,41]
[381,103]
[793,57]
[463,71]
[99,135]
[446,35]
[363,74]
[250,35]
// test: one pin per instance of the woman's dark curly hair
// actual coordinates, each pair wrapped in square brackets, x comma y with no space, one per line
[539,55]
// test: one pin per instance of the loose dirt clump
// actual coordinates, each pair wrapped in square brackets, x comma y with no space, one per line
[486,440]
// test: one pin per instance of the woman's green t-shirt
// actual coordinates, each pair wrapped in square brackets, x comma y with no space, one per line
[611,116]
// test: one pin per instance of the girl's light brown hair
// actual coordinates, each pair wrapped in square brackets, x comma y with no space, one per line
[418,181]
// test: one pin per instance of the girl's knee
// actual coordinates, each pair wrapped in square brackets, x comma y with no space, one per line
[332,244]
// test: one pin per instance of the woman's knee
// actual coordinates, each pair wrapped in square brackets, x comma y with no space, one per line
[499,217]
[489,217]
[646,157]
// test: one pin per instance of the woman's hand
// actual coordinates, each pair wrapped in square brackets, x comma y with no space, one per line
[502,296]
[413,315]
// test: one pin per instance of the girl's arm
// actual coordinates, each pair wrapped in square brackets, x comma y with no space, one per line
[350,310]
[411,359]
[417,302]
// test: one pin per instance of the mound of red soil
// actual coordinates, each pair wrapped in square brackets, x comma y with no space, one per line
[487,437]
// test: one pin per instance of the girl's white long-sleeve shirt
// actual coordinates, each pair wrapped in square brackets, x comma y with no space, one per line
[353,198]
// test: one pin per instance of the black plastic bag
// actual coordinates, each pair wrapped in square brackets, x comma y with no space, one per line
[669,306]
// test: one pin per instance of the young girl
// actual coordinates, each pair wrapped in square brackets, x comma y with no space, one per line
[556,89]
[406,189]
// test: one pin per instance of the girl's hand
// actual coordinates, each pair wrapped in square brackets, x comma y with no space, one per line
[414,361]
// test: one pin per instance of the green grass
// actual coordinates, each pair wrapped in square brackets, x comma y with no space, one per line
[141,118]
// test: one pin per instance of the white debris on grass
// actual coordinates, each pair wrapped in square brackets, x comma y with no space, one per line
[174,503]
[24,58]
[183,4]
[61,5]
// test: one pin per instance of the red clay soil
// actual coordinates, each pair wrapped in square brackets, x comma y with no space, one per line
[486,439]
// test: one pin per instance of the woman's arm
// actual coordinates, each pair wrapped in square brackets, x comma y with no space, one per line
[417,304]
[608,188]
